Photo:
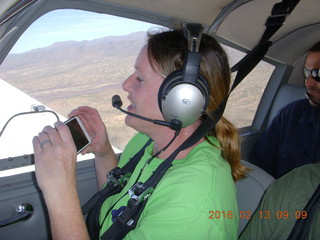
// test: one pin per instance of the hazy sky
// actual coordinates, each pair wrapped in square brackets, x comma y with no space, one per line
[62,25]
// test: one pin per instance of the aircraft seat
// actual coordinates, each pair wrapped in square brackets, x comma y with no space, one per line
[286,94]
[250,191]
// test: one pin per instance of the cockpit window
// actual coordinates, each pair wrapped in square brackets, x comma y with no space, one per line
[71,58]
[244,100]
[66,59]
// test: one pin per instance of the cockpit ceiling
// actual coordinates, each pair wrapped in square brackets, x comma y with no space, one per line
[241,22]
[200,11]
[245,25]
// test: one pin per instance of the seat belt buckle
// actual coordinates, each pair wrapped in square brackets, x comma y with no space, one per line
[139,194]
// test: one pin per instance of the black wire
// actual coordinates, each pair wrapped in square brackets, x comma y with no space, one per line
[163,149]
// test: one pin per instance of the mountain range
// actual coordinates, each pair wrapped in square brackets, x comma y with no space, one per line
[69,74]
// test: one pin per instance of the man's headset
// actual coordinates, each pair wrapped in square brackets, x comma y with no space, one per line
[184,94]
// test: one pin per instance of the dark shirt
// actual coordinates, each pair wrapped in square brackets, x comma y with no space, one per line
[291,140]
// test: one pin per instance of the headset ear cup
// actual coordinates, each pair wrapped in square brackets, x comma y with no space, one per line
[171,80]
[182,100]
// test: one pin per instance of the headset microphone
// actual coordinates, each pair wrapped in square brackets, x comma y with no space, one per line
[174,124]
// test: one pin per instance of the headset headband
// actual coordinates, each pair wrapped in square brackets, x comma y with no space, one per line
[184,93]
[193,34]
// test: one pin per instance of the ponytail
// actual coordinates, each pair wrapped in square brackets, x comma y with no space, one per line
[229,138]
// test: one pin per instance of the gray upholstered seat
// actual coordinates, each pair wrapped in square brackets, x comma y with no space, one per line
[250,191]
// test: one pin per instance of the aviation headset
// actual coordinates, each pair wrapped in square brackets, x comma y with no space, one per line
[184,94]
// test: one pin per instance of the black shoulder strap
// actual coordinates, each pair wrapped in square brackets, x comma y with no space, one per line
[117,179]
[199,133]
[111,184]
[302,226]
[140,192]
[277,18]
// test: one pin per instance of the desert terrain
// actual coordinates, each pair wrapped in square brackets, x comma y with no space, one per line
[69,74]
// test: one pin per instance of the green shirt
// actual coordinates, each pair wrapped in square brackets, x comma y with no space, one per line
[196,198]
[283,204]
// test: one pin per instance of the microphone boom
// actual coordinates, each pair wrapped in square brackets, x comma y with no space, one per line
[175,124]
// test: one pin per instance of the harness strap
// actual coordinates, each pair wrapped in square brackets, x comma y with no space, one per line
[277,18]
[130,166]
[199,133]
[141,192]
[245,65]
[117,179]
[301,229]
[93,209]
[279,13]
[125,222]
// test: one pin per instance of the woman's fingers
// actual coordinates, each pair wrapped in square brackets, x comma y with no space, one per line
[53,137]
[64,132]
[36,145]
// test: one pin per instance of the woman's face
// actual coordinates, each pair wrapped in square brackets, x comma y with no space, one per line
[142,87]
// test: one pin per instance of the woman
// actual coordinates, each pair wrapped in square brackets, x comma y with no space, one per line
[195,199]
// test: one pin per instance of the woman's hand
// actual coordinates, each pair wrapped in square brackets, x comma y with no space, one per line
[96,129]
[105,158]
[55,162]
[55,159]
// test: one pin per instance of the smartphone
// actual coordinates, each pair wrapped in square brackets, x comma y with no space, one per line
[79,134]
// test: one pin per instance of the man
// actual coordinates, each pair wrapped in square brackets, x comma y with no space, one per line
[293,137]
[284,205]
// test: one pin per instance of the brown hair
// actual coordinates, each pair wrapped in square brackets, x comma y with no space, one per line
[166,52]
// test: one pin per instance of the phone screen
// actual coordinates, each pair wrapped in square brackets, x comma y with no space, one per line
[79,134]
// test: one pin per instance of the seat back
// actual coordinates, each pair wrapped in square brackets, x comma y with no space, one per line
[250,191]
[286,94]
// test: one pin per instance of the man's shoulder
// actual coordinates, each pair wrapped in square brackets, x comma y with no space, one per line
[296,107]
[306,176]
[301,103]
